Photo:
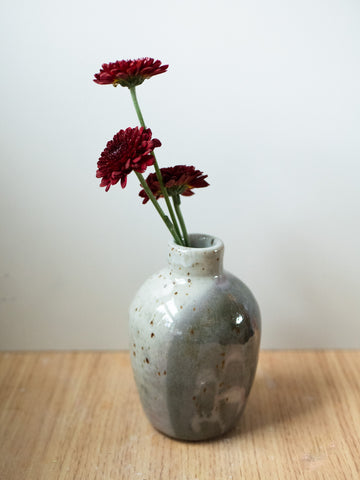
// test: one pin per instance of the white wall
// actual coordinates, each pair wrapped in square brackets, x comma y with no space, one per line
[263,96]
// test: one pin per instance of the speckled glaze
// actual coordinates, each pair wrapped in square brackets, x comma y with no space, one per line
[194,342]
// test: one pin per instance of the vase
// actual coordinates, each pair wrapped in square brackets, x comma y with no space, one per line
[194,342]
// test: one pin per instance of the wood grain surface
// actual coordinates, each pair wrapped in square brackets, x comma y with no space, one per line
[77,416]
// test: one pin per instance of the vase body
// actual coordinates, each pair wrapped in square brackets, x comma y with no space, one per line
[194,342]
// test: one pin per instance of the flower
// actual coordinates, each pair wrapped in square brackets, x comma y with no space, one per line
[133,150]
[178,180]
[129,150]
[129,73]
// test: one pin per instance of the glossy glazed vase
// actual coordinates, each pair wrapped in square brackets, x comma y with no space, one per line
[194,342]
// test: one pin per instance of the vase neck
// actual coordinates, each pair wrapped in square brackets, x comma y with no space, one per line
[204,257]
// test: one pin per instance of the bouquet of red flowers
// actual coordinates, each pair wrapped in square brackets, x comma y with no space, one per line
[133,150]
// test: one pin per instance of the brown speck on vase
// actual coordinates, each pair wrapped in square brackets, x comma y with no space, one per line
[136,309]
[236,329]
[152,335]
[181,307]
[142,348]
[147,360]
[134,354]
[189,280]
[194,398]
[175,293]
[221,384]
[134,345]
[222,354]
[204,390]
[159,374]
[152,322]
[194,309]
[164,372]
[188,273]
[192,331]
[203,268]
[217,259]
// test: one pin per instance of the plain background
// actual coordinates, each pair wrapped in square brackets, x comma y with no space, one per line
[262,96]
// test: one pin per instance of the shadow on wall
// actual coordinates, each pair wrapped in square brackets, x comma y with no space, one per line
[318,302]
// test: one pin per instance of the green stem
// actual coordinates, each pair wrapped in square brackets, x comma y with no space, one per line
[176,200]
[160,211]
[137,106]
[157,169]
[167,199]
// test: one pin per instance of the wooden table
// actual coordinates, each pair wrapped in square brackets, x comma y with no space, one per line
[77,416]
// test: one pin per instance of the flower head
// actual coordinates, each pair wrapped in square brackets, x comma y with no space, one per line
[129,150]
[129,73]
[178,180]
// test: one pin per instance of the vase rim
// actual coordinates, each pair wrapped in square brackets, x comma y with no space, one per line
[200,242]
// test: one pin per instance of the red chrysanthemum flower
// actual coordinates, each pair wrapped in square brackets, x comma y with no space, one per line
[129,73]
[129,150]
[178,180]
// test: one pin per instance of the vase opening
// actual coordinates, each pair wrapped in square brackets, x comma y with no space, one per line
[201,240]
[203,257]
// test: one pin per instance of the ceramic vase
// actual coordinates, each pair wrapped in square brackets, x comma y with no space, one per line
[194,342]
